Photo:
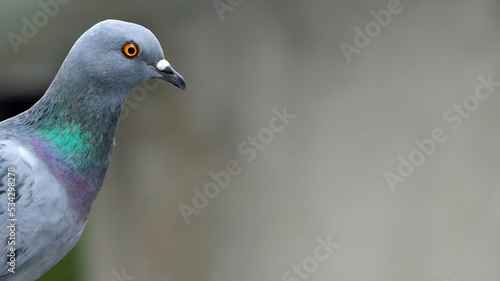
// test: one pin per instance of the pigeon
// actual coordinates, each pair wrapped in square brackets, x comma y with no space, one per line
[54,156]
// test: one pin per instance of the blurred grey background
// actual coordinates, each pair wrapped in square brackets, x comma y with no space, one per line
[323,175]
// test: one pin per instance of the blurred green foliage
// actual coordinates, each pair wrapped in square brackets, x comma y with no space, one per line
[68,269]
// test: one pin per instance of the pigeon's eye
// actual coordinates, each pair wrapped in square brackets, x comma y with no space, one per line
[130,50]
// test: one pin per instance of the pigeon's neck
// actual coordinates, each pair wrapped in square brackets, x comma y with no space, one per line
[74,128]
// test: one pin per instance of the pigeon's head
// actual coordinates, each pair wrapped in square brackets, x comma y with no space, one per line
[117,53]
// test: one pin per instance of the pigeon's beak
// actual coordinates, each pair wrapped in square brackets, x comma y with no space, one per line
[170,75]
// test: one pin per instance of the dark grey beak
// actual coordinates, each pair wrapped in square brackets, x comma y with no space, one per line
[173,77]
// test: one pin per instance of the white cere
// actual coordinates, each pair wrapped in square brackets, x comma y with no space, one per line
[162,65]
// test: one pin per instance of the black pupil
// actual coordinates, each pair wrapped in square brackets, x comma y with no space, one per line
[131,50]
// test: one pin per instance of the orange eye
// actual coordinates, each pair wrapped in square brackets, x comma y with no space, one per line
[130,50]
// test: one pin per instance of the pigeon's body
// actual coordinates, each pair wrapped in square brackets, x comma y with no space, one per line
[42,214]
[58,151]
